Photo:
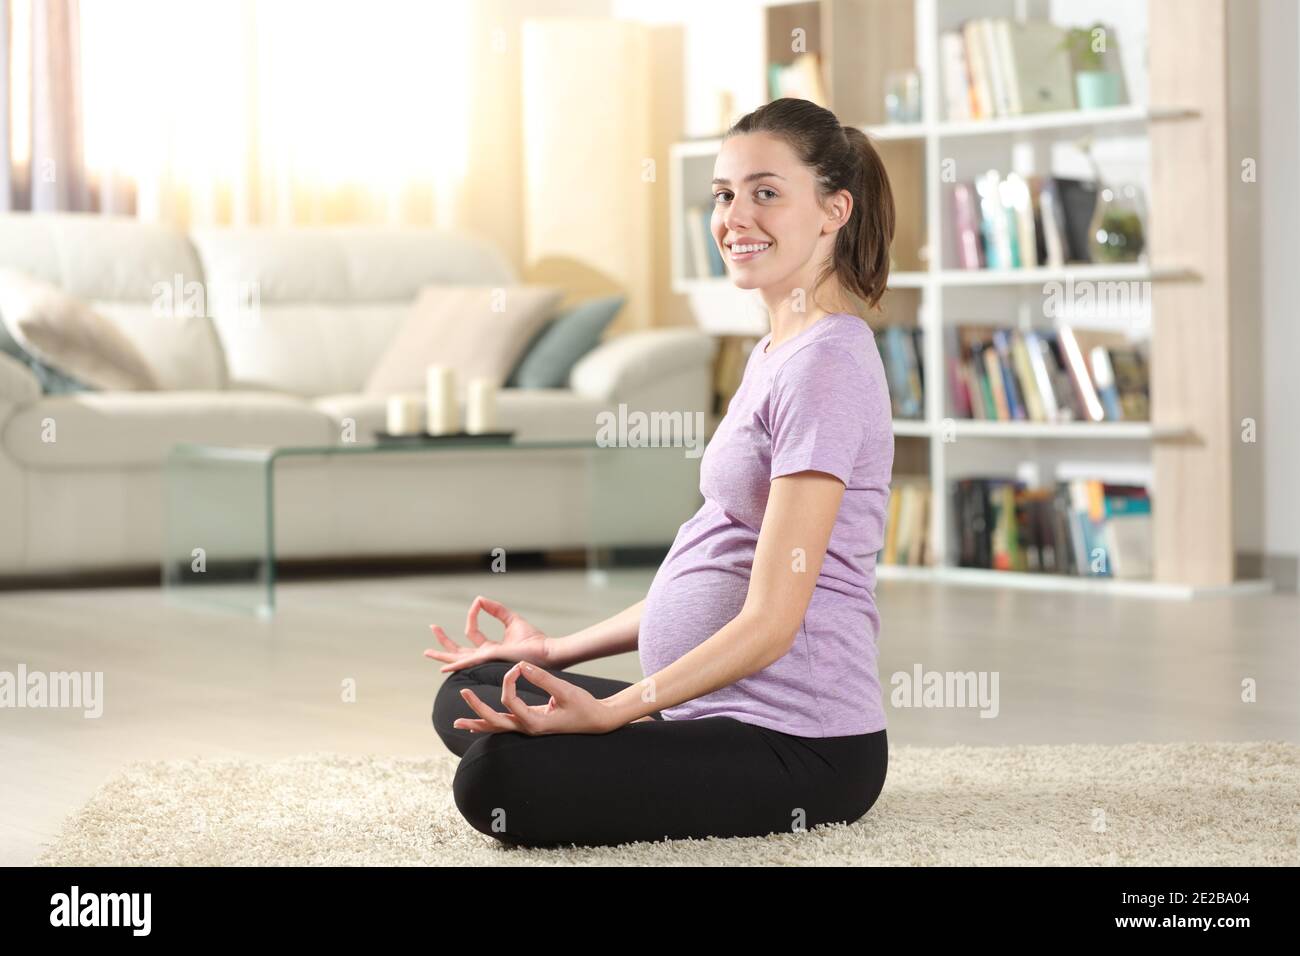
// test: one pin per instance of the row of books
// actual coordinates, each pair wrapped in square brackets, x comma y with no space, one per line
[995,67]
[906,523]
[1000,374]
[1044,375]
[1079,527]
[1018,222]
[900,352]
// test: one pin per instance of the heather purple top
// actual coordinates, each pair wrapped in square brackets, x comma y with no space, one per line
[817,401]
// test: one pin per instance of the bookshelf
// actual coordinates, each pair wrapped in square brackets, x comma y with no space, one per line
[1177,128]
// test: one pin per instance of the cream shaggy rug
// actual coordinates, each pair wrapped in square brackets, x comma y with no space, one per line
[1233,804]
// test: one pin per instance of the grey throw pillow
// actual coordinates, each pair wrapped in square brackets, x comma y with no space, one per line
[53,382]
[71,341]
[551,355]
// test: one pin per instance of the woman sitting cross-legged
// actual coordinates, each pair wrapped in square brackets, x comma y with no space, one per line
[760,709]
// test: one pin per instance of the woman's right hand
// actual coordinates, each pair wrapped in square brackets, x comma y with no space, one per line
[521,641]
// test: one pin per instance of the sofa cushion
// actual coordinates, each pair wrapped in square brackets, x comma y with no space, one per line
[96,257]
[310,349]
[478,331]
[326,301]
[49,380]
[115,429]
[182,349]
[345,264]
[66,334]
[562,342]
[534,414]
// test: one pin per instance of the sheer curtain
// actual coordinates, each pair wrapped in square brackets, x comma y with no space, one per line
[41,157]
[279,111]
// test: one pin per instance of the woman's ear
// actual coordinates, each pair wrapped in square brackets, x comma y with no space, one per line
[839,207]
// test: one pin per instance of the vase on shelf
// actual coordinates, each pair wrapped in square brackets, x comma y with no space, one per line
[903,96]
[1096,89]
[1116,232]
[1095,86]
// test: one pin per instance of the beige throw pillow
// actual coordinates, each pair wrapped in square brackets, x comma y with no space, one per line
[478,331]
[66,334]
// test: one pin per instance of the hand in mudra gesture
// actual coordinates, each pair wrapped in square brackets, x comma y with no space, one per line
[570,710]
[521,641]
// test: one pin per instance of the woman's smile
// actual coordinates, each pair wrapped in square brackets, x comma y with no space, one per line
[744,251]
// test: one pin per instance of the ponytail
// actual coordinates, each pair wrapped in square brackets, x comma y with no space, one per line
[861,258]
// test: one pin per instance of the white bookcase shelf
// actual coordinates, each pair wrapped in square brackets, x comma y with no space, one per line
[1024,581]
[1078,272]
[1066,122]
[1126,272]
[912,428]
[1065,431]
[1069,431]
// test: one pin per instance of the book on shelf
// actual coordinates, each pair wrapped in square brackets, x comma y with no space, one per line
[907,523]
[1020,222]
[800,79]
[1082,527]
[901,354]
[1073,200]
[995,66]
[1046,375]
[701,249]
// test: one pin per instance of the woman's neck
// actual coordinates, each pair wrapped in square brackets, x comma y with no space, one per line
[787,323]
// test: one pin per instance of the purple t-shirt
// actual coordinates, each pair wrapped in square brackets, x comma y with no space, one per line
[818,401]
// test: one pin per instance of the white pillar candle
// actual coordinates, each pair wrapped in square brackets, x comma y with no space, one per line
[404,414]
[481,406]
[441,417]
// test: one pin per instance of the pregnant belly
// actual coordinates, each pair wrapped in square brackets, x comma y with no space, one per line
[684,608]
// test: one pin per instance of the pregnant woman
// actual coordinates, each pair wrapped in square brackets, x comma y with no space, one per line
[760,710]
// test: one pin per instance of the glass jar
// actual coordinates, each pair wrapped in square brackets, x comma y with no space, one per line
[903,96]
[1117,231]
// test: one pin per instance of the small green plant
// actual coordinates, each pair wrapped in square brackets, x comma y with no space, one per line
[1118,237]
[1081,42]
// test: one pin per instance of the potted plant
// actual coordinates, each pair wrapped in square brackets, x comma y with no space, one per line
[1094,86]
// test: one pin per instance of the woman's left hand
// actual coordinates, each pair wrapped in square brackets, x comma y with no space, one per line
[571,709]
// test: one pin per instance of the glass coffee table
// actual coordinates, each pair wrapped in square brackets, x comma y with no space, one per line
[219,536]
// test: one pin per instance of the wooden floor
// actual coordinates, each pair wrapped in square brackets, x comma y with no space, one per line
[182,683]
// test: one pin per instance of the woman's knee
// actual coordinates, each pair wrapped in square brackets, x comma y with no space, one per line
[498,792]
[858,784]
[447,702]
[484,788]
[874,784]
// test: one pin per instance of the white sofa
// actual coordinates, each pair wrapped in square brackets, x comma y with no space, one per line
[330,299]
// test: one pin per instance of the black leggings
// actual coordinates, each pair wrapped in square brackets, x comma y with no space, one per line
[648,780]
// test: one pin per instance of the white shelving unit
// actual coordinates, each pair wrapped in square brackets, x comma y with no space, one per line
[1069,121]
[937,289]
[1021,581]
[1077,272]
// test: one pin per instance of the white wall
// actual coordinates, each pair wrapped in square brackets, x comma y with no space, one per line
[1279,161]
[724,51]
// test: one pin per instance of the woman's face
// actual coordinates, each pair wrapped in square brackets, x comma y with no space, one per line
[763,196]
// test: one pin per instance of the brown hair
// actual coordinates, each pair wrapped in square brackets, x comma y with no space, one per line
[841,157]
